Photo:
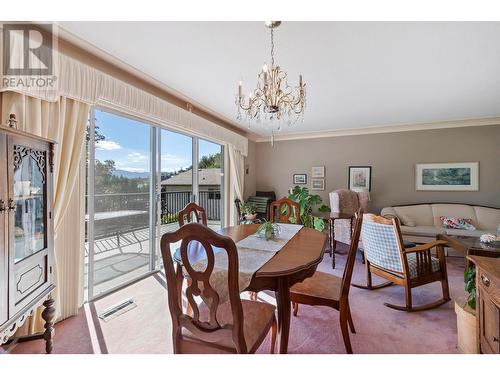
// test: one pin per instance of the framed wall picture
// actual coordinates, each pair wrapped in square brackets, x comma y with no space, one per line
[447,176]
[360,178]
[300,179]
[317,184]
[318,172]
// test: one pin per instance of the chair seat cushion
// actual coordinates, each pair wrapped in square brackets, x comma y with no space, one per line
[257,318]
[321,285]
[412,264]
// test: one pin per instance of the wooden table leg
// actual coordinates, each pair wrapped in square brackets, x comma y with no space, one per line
[48,315]
[332,241]
[283,302]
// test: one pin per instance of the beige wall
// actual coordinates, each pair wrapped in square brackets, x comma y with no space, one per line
[392,156]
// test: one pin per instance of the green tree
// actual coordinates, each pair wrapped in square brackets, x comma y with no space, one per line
[210,161]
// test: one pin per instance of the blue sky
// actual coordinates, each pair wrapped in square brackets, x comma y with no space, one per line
[128,143]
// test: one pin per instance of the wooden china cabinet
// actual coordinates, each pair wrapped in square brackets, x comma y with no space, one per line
[487,303]
[26,232]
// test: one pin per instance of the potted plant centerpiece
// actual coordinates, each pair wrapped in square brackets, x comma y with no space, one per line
[465,308]
[248,210]
[268,230]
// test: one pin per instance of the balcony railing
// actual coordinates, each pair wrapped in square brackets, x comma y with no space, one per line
[171,202]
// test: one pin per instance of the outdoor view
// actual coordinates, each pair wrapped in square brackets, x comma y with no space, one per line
[124,241]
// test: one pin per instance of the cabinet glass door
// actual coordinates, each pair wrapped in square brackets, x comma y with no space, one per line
[29,202]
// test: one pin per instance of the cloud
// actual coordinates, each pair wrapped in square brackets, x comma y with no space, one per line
[135,157]
[107,145]
[172,163]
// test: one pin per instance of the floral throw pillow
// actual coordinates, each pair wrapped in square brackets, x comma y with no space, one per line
[457,223]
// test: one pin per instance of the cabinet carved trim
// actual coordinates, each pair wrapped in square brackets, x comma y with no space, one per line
[20,152]
[25,287]
[7,333]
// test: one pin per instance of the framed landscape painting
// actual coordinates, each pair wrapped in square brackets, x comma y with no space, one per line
[300,179]
[318,172]
[317,184]
[360,178]
[447,176]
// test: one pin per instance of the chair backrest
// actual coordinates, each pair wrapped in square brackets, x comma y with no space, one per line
[348,201]
[287,209]
[203,323]
[351,255]
[190,212]
[382,242]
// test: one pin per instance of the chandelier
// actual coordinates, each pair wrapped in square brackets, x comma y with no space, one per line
[273,101]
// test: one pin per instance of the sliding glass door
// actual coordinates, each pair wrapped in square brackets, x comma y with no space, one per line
[118,214]
[139,177]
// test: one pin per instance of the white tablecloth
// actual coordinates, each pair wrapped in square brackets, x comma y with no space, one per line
[253,253]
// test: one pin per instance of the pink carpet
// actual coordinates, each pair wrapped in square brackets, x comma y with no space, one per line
[146,328]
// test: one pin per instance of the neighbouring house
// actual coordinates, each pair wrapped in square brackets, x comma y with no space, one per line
[208,180]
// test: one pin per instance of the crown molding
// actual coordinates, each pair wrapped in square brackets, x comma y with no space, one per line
[484,121]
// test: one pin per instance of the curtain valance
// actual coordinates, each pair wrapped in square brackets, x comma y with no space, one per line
[79,81]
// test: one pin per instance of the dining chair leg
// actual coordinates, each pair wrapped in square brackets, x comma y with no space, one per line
[345,331]
[349,319]
[295,306]
[274,331]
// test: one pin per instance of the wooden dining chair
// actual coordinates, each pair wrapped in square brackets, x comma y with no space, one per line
[190,212]
[288,211]
[216,326]
[387,257]
[325,289]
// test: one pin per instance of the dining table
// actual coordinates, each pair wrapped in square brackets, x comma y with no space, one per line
[296,261]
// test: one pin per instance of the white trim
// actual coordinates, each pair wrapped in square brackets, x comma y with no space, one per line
[383,129]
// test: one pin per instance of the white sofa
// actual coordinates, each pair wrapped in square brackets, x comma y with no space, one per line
[421,223]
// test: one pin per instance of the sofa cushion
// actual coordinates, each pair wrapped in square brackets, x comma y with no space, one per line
[423,230]
[453,210]
[420,214]
[487,218]
[405,220]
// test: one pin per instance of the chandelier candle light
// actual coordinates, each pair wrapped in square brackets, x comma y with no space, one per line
[273,101]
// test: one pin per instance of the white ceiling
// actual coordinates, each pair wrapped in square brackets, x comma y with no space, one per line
[358,74]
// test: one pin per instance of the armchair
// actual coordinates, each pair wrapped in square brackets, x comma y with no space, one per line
[387,257]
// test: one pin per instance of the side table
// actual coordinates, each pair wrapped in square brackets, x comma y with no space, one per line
[330,217]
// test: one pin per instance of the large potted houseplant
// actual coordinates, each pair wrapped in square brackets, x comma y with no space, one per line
[308,203]
[465,308]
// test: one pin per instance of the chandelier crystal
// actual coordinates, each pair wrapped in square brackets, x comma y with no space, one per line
[273,101]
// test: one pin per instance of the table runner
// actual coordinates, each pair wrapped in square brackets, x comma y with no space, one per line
[253,253]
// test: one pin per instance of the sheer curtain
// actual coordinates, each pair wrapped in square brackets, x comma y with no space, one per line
[237,180]
[63,121]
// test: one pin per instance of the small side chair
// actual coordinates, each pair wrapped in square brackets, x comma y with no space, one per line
[191,212]
[387,257]
[325,289]
[288,215]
